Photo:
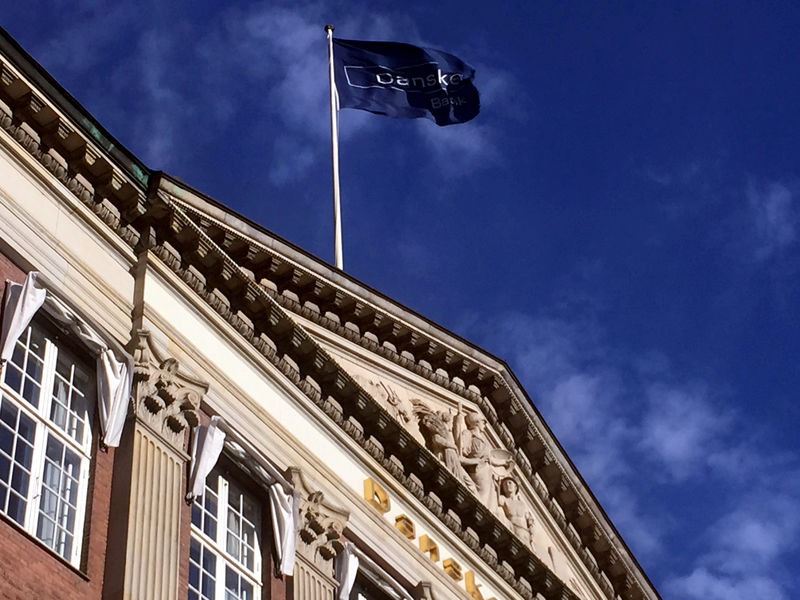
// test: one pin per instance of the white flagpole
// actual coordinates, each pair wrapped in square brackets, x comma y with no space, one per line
[337,207]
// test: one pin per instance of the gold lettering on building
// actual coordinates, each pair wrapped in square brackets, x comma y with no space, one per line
[405,526]
[376,495]
[452,568]
[471,586]
[428,546]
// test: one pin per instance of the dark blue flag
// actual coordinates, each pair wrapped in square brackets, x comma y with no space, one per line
[401,80]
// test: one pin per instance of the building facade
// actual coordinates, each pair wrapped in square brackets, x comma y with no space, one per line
[191,407]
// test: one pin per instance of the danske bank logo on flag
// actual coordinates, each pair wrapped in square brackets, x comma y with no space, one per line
[401,80]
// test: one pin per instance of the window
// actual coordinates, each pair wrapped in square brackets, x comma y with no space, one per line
[368,588]
[46,440]
[225,551]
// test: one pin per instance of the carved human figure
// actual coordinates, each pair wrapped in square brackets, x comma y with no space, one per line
[476,457]
[437,431]
[516,510]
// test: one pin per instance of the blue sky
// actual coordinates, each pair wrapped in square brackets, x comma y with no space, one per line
[621,222]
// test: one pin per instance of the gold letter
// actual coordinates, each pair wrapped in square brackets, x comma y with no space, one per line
[452,568]
[405,526]
[376,495]
[427,545]
[472,587]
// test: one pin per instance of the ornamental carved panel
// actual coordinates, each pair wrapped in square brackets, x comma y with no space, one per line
[320,526]
[165,398]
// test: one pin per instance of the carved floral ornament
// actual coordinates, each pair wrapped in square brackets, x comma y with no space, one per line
[164,398]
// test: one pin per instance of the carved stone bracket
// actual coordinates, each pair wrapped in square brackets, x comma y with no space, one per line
[164,398]
[321,525]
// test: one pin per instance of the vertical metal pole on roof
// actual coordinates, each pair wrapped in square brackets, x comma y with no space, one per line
[337,207]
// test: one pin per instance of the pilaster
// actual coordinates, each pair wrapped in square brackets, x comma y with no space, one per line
[165,404]
[319,542]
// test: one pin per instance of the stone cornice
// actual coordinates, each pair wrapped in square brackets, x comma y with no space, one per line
[50,92]
[76,151]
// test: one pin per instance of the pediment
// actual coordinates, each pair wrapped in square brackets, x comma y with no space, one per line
[458,434]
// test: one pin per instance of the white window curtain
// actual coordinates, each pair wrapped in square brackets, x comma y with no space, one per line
[22,302]
[284,512]
[113,377]
[71,321]
[113,396]
[208,442]
[346,569]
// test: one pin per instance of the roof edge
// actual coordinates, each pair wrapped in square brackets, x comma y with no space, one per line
[74,110]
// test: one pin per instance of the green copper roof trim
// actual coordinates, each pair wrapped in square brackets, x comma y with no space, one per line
[81,117]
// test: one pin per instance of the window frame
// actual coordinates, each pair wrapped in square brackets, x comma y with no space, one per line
[225,482]
[364,588]
[45,429]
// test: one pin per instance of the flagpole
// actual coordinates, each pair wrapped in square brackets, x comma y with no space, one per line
[337,207]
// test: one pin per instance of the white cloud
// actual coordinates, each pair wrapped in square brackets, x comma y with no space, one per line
[458,148]
[763,227]
[760,528]
[265,61]
[288,158]
[681,427]
[751,547]
[705,584]
[416,257]
[643,530]
[464,146]
[683,175]
[283,52]
[158,125]
[774,218]
[84,43]
[571,376]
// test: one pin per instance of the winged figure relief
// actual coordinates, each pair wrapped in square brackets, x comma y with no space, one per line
[439,436]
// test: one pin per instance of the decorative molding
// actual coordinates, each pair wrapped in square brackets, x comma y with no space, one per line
[301,359]
[321,524]
[75,157]
[164,398]
[305,293]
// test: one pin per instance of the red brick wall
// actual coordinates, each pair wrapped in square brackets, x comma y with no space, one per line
[10,271]
[28,570]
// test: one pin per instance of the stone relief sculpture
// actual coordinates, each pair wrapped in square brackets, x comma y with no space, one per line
[459,437]
[386,395]
[395,405]
[439,436]
[485,464]
[516,511]
[459,440]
